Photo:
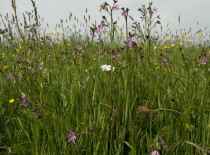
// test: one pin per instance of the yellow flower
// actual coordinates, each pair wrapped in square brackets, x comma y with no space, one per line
[120,28]
[11,100]
[48,33]
[123,43]
[3,54]
[209,51]
[189,40]
[187,126]
[42,43]
[166,38]
[68,44]
[201,32]
[172,45]
[67,38]
[155,47]
[86,70]
[14,41]
[13,55]
[56,37]
[59,31]
[20,47]
[122,33]
[138,45]
[157,67]
[166,47]
[180,43]
[185,36]
[155,63]
[21,40]
[94,59]
[17,50]
[116,25]
[5,67]
[28,54]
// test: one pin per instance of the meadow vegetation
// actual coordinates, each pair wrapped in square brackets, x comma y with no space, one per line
[118,89]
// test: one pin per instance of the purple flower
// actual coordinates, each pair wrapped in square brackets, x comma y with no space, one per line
[123,13]
[154,9]
[116,7]
[165,63]
[72,137]
[10,76]
[155,153]
[91,33]
[203,62]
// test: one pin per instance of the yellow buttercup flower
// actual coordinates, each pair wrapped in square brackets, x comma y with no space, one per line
[86,70]
[120,28]
[116,25]
[11,100]
[3,54]
[155,47]
[5,67]
[189,40]
[172,45]
[201,32]
[123,43]
[180,43]
[122,33]
[94,59]
[14,41]
[166,38]
[185,36]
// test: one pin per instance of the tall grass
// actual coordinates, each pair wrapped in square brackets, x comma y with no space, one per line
[155,96]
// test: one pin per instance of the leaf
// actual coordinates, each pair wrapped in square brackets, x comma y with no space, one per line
[128,144]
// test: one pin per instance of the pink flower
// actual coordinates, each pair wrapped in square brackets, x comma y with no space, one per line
[99,28]
[116,7]
[154,9]
[123,13]
[155,153]
[165,63]
[72,137]
[203,62]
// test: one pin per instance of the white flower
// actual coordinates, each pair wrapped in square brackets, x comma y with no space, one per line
[107,67]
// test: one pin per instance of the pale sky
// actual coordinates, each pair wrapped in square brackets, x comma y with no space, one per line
[191,11]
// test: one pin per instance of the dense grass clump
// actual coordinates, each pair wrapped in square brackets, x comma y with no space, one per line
[119,90]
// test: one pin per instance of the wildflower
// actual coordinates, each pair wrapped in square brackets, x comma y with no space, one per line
[5,67]
[86,70]
[166,38]
[116,25]
[99,28]
[123,13]
[122,33]
[11,100]
[201,32]
[14,41]
[116,7]
[107,67]
[203,62]
[10,76]
[180,43]
[13,55]
[30,31]
[56,37]
[155,47]
[189,40]
[155,153]
[72,137]
[165,63]
[3,54]
[120,28]
[185,36]
[172,45]
[94,59]
[123,43]
[21,40]
[154,10]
